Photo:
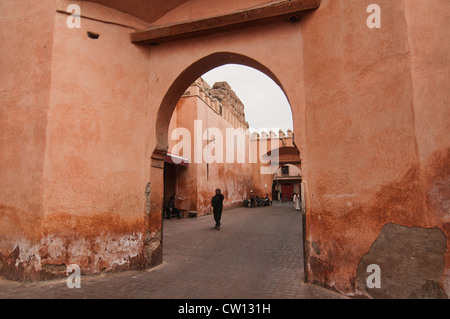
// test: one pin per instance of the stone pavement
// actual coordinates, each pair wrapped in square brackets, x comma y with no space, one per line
[256,255]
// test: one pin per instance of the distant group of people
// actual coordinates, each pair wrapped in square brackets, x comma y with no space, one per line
[282,197]
[256,201]
[217,205]
[296,199]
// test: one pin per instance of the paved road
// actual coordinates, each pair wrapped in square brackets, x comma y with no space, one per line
[256,254]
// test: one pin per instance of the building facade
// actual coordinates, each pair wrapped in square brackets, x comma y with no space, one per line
[212,119]
[88,92]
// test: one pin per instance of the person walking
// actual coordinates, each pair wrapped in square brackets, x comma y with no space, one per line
[217,204]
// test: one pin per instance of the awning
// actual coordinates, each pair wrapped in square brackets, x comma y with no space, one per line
[175,159]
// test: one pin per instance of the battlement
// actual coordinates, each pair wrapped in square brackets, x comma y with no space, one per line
[271,135]
[221,99]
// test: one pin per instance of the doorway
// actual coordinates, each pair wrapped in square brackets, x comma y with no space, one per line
[180,87]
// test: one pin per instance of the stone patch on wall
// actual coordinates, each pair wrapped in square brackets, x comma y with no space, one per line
[153,248]
[411,261]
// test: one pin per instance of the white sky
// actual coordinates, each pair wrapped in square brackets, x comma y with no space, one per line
[266,106]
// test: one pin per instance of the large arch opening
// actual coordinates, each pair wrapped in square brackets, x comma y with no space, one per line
[188,76]
[179,88]
[287,185]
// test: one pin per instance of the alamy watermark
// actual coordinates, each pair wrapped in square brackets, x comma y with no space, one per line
[232,146]
[74,20]
[74,276]
[374,279]
[374,20]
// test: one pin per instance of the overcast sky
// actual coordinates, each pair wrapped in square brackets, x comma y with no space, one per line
[266,106]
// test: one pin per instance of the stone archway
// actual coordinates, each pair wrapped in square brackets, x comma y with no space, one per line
[188,76]
[164,115]
[375,150]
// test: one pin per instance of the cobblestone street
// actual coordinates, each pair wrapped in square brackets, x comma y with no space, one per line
[257,254]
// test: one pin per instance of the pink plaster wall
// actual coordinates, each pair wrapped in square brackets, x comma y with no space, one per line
[94,163]
[73,167]
[184,117]
[197,183]
[25,77]
[364,146]
[430,69]
[370,120]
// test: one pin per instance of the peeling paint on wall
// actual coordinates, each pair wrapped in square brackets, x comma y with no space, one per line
[107,252]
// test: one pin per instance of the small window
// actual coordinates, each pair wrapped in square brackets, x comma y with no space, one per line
[93,35]
[285,170]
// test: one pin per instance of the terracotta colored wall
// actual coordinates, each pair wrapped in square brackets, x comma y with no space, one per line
[262,182]
[95,171]
[370,120]
[430,67]
[198,182]
[74,171]
[95,143]
[363,148]
[25,71]
[234,180]
[184,117]
[360,136]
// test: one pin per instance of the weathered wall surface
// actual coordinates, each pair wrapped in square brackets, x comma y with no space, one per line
[430,68]
[411,261]
[85,123]
[197,183]
[25,71]
[73,167]
[95,172]
[363,147]
[216,175]
[183,118]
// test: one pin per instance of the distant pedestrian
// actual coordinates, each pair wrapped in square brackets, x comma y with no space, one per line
[296,200]
[217,204]
[170,207]
[252,199]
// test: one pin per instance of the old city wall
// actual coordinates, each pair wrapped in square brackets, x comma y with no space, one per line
[430,67]
[197,183]
[74,190]
[370,121]
[375,148]
[95,169]
[25,79]
[362,150]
